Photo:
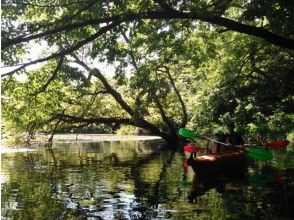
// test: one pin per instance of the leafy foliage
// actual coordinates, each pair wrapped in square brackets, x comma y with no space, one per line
[149,64]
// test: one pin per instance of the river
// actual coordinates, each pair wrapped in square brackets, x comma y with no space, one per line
[137,180]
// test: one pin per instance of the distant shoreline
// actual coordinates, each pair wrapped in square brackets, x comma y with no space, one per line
[92,138]
[77,138]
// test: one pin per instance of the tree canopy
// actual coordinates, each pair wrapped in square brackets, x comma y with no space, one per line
[157,65]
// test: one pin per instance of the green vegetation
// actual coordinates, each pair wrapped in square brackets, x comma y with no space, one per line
[156,65]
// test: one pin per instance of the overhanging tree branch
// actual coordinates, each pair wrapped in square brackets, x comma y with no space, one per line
[68,27]
[185,116]
[52,77]
[138,121]
[152,90]
[117,96]
[166,15]
[161,110]
[66,51]
[155,98]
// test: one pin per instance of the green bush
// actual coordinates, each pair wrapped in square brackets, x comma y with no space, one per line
[127,129]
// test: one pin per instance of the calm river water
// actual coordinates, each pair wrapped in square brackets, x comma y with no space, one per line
[135,180]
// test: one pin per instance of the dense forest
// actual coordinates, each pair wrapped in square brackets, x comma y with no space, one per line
[114,66]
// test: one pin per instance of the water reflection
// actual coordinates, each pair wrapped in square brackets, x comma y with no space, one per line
[223,184]
[134,180]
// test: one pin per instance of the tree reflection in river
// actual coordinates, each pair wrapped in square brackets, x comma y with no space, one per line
[134,180]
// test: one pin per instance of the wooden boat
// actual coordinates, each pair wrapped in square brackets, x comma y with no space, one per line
[233,161]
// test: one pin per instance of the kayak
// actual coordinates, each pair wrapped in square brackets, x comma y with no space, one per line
[233,161]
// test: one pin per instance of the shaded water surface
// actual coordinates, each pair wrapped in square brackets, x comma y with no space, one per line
[135,180]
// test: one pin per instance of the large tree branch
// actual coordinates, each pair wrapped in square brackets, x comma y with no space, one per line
[139,122]
[116,95]
[230,24]
[108,121]
[161,110]
[157,102]
[92,100]
[68,27]
[185,116]
[66,51]
[167,14]
[52,77]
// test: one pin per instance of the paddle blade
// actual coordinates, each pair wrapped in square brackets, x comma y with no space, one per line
[185,133]
[191,149]
[278,144]
[259,154]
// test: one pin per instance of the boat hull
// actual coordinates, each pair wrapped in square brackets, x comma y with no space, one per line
[229,162]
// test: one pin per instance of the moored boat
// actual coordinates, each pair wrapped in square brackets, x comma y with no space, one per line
[230,162]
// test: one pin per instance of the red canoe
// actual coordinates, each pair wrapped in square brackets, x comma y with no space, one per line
[226,162]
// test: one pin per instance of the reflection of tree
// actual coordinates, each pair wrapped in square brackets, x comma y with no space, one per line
[214,193]
[115,179]
[84,175]
[149,189]
[156,195]
[29,190]
[152,192]
[51,152]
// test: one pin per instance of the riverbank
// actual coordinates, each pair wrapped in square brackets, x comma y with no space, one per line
[77,138]
[93,138]
[69,138]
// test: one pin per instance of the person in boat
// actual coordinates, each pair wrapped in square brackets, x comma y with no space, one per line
[216,147]
[232,137]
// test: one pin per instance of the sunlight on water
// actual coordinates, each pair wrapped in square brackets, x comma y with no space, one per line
[4,177]
[10,150]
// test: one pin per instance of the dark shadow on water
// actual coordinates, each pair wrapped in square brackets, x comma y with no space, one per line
[203,183]
[269,192]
